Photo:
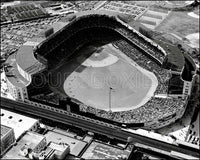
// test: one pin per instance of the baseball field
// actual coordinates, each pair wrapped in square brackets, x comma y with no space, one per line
[107,79]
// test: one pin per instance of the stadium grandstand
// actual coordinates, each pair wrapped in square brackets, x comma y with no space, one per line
[50,53]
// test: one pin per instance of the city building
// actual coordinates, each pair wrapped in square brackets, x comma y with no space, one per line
[19,123]
[106,80]
[193,131]
[37,75]
[60,150]
[31,142]
[58,137]
[7,138]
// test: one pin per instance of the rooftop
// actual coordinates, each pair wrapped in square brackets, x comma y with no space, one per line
[76,146]
[25,56]
[4,130]
[18,122]
[13,74]
[98,150]
[30,139]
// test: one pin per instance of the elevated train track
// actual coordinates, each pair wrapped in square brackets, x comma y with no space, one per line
[92,125]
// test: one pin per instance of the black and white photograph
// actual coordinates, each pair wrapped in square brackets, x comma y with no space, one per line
[100,80]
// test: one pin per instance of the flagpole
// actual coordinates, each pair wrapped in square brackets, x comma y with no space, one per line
[110,99]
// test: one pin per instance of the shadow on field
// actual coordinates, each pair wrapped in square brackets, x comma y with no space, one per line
[58,76]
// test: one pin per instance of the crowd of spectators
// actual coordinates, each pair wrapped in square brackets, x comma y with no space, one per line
[153,51]
[81,25]
[154,110]
[102,21]
[141,59]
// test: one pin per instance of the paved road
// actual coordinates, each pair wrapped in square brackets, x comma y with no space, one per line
[91,125]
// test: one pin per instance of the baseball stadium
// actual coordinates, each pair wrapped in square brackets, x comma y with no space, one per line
[97,65]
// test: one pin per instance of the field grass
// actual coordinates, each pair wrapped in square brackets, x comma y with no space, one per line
[179,23]
[132,86]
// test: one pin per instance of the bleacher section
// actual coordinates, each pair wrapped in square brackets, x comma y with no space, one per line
[144,45]
[153,110]
[144,61]
[100,21]
[70,46]
[82,30]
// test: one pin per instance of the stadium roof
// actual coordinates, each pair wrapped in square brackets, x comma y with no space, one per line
[4,130]
[17,79]
[25,56]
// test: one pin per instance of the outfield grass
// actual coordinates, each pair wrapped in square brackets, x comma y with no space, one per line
[132,85]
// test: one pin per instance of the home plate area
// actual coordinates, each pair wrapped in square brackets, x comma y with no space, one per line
[107,68]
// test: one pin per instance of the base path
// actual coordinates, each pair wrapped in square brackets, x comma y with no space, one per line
[132,86]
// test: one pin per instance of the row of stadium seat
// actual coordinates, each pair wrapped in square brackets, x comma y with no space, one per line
[141,42]
[71,45]
[142,60]
[103,21]
[73,28]
[153,110]
[73,36]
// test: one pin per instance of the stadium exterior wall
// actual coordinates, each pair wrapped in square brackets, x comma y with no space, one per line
[21,93]
[25,74]
[169,120]
[18,93]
